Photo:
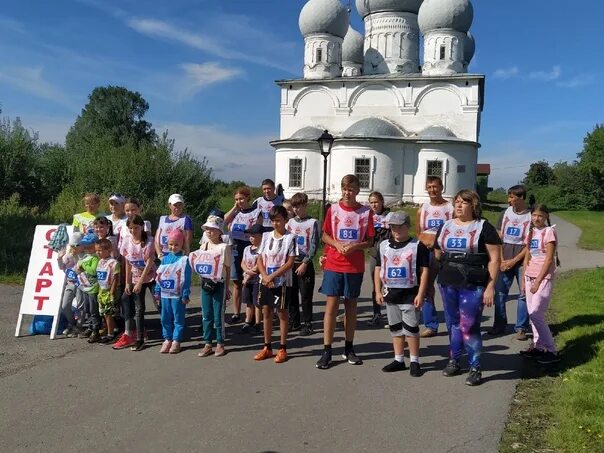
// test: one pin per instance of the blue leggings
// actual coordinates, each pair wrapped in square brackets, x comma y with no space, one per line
[212,309]
[463,311]
[173,319]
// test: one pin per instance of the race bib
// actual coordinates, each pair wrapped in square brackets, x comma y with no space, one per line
[265,215]
[101,275]
[71,274]
[513,231]
[435,223]
[239,227]
[300,240]
[140,264]
[397,272]
[203,269]
[534,243]
[349,234]
[270,270]
[457,243]
[168,284]
[164,240]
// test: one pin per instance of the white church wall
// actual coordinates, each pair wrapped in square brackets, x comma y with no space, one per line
[312,169]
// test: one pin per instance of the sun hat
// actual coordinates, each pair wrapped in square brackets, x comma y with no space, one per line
[398,218]
[176,198]
[213,222]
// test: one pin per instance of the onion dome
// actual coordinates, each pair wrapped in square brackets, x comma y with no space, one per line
[373,127]
[366,7]
[324,16]
[469,47]
[445,14]
[352,47]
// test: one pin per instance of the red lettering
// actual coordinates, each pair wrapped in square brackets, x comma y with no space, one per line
[47,269]
[48,252]
[49,233]
[42,283]
[41,300]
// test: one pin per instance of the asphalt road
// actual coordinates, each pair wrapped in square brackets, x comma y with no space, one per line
[66,395]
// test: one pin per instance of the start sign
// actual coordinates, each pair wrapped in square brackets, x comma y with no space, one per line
[44,283]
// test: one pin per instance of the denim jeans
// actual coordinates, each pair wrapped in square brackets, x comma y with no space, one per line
[212,308]
[502,289]
[430,315]
[173,313]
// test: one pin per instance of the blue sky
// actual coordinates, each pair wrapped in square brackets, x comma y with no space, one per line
[207,69]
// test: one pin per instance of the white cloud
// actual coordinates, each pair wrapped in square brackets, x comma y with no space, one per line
[165,30]
[546,76]
[31,80]
[580,80]
[506,73]
[199,76]
[8,23]
[232,155]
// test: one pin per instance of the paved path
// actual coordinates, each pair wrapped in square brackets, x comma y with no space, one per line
[66,395]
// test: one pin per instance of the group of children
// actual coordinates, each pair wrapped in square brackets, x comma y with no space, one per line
[266,248]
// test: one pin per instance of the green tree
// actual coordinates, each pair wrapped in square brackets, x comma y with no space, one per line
[591,163]
[113,113]
[539,174]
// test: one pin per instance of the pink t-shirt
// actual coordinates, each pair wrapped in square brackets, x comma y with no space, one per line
[537,249]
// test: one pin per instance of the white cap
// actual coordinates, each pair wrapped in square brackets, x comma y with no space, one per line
[118,198]
[75,238]
[176,198]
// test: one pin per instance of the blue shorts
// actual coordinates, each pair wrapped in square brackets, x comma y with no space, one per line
[236,270]
[341,284]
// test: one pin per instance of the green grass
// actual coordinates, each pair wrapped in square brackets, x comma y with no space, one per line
[590,223]
[12,279]
[562,408]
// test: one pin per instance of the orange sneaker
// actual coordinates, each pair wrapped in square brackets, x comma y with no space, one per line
[266,353]
[281,356]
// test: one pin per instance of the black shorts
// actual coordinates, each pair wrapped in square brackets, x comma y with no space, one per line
[250,294]
[278,298]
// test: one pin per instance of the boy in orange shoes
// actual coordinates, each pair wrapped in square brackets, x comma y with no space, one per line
[275,261]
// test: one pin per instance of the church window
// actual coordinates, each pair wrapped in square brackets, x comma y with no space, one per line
[319,55]
[295,173]
[443,51]
[362,170]
[435,168]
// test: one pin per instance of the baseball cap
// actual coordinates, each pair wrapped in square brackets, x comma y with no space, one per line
[89,239]
[257,228]
[118,198]
[398,218]
[75,239]
[176,198]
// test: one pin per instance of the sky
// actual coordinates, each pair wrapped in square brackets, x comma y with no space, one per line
[207,69]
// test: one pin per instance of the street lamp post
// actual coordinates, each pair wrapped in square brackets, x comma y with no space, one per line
[325,143]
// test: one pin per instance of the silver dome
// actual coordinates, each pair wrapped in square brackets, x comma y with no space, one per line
[324,16]
[352,47]
[366,7]
[449,14]
[373,127]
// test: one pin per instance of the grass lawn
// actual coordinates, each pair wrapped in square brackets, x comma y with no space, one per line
[12,279]
[561,408]
[590,223]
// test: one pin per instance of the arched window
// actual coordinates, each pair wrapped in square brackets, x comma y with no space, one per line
[319,55]
[443,51]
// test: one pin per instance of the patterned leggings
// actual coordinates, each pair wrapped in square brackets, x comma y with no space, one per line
[463,310]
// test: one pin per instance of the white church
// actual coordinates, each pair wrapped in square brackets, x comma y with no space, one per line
[396,119]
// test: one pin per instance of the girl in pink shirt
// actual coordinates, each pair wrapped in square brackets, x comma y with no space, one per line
[539,266]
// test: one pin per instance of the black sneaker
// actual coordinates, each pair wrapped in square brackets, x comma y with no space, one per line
[352,358]
[294,327]
[258,329]
[532,353]
[415,369]
[106,339]
[548,358]
[94,337]
[474,377]
[325,361]
[375,320]
[496,331]
[452,368]
[306,329]
[233,320]
[394,366]
[138,346]
[85,334]
[246,328]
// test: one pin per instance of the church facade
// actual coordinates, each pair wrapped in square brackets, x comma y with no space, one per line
[395,119]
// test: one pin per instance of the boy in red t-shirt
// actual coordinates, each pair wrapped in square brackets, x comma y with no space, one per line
[347,231]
